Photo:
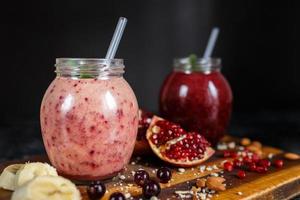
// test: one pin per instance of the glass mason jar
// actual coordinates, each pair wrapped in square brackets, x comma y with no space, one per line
[198,97]
[89,118]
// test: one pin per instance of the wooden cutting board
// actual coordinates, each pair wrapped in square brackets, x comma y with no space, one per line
[278,184]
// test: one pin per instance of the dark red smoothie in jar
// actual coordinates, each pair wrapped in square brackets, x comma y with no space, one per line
[197,96]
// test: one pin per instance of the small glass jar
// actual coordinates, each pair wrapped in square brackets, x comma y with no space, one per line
[89,118]
[198,97]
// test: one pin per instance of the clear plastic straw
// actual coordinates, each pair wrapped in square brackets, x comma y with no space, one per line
[114,43]
[211,42]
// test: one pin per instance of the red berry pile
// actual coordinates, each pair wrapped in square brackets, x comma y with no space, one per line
[248,161]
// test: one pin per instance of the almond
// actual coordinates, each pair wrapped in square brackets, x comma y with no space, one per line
[257,144]
[255,149]
[245,141]
[195,191]
[201,182]
[292,156]
[215,183]
[252,148]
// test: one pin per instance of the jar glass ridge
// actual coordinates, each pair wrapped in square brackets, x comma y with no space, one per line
[89,67]
[205,65]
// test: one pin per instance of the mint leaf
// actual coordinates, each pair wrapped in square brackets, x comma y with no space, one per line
[193,61]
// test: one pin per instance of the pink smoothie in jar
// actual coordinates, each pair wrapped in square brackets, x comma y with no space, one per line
[198,97]
[89,118]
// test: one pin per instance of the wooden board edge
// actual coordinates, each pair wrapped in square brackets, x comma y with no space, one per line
[264,187]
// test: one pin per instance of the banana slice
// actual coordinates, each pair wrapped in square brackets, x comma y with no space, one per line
[47,188]
[31,170]
[18,174]
[8,177]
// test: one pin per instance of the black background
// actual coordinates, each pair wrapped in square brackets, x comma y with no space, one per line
[258,44]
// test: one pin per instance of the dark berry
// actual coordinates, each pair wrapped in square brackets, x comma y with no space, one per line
[151,188]
[241,174]
[117,196]
[164,174]
[228,166]
[278,163]
[264,163]
[140,177]
[96,190]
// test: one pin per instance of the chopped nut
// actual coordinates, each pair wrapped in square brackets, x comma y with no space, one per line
[240,193]
[291,156]
[216,179]
[255,149]
[231,145]
[245,141]
[184,194]
[202,168]
[215,183]
[127,195]
[241,148]
[224,161]
[222,147]
[215,167]
[200,183]
[270,155]
[181,170]
[214,174]
[202,196]
[257,144]
[155,129]
[195,191]
[209,168]
[122,177]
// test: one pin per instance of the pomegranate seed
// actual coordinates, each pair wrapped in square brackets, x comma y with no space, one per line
[264,163]
[233,154]
[255,158]
[252,167]
[278,163]
[261,169]
[237,163]
[241,174]
[247,159]
[228,166]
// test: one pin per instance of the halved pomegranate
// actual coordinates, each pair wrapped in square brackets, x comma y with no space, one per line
[141,144]
[176,146]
